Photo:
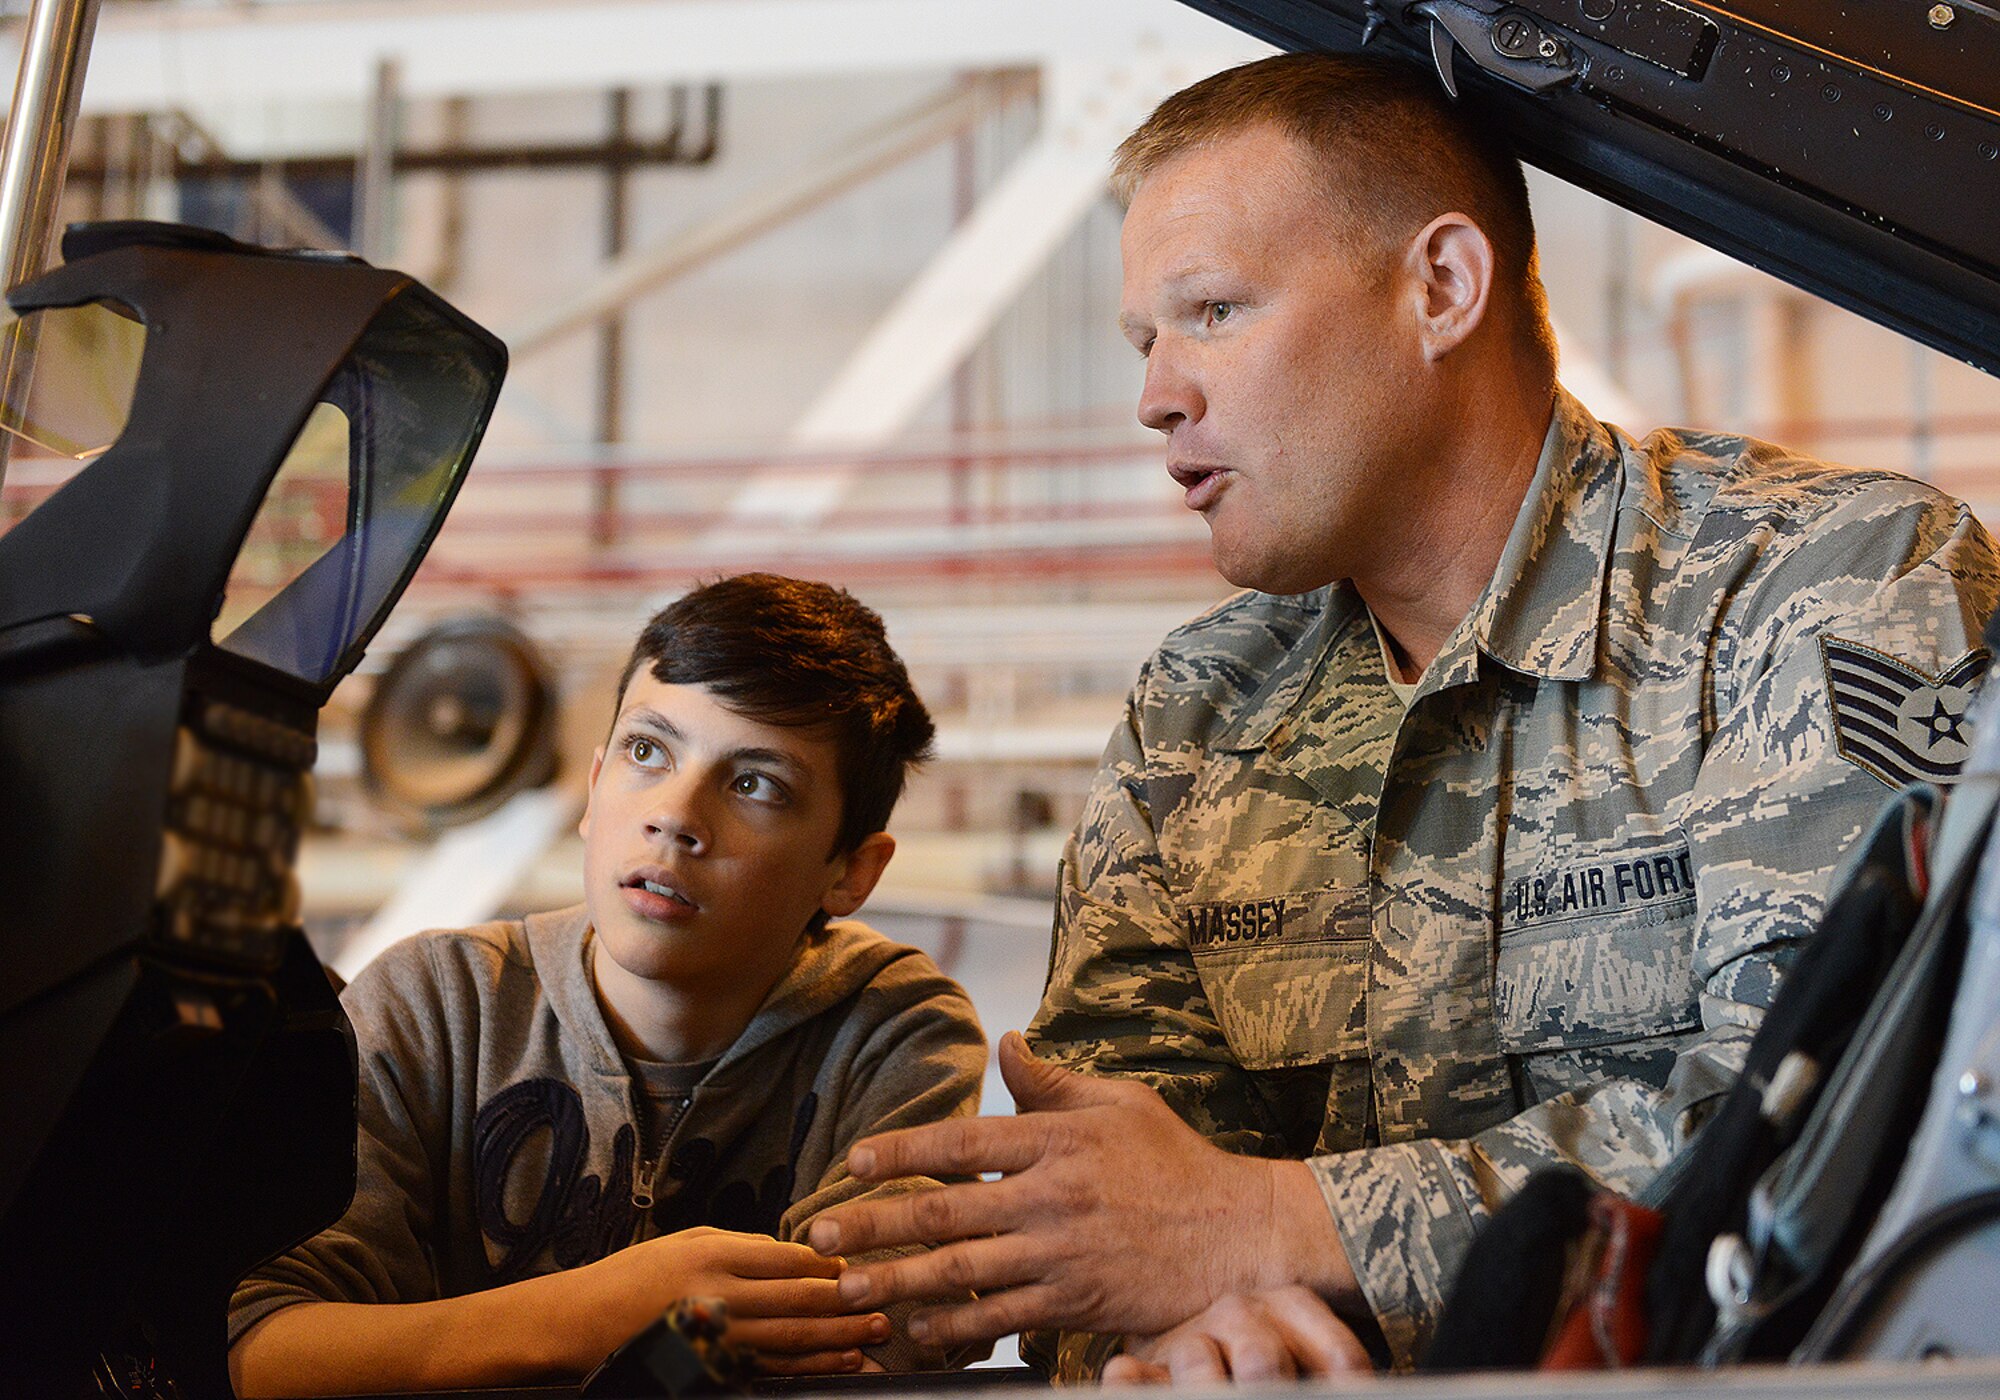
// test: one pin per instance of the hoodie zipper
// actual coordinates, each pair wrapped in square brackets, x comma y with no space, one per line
[645,1178]
[642,1183]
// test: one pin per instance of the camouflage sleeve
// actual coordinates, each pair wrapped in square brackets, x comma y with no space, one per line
[1783,789]
[1123,997]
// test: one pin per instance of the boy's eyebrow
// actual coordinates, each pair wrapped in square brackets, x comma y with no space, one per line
[775,758]
[652,719]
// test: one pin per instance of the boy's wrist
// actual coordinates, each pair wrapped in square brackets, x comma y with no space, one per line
[328,1348]
[538,1329]
[571,1320]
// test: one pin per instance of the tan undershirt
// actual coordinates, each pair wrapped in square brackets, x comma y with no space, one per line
[1404,691]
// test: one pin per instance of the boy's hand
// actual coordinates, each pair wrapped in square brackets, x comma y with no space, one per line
[783,1300]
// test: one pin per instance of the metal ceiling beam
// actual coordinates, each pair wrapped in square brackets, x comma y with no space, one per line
[906,358]
[797,191]
[453,158]
[153,57]
[466,876]
[983,266]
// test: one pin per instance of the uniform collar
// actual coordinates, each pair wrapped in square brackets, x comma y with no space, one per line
[1540,614]
[1543,610]
[1261,721]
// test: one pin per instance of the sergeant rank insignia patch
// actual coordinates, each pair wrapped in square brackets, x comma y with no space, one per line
[1901,724]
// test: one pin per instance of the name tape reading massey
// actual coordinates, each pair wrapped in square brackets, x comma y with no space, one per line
[1245,921]
[1895,721]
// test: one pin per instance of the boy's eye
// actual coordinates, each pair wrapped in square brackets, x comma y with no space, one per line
[760,786]
[645,752]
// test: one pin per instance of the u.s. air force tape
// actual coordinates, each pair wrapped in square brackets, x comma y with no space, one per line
[1901,724]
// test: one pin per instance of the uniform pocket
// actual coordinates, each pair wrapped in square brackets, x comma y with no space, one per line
[1581,982]
[1285,974]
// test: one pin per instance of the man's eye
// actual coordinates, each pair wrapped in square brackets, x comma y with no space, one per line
[1220,311]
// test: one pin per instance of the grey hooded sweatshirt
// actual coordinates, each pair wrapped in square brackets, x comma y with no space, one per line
[501,1136]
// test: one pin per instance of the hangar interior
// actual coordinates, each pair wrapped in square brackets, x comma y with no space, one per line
[838,300]
[823,287]
[817,287]
[826,288]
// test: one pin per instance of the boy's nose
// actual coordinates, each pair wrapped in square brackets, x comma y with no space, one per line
[676,819]
[682,833]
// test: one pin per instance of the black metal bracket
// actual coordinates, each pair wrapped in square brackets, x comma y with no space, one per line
[1504,40]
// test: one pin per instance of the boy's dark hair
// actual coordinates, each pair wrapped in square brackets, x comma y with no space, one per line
[804,655]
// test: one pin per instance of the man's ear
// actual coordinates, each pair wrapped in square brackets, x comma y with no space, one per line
[596,763]
[1453,265]
[860,869]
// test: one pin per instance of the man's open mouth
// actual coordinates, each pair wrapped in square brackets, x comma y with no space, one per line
[1201,485]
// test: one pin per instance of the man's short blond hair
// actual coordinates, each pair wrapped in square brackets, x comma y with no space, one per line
[1393,151]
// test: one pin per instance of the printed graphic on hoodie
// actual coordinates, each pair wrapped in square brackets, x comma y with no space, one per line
[576,1217]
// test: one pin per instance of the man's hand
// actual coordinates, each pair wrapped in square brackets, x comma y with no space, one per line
[1112,1215]
[1279,1334]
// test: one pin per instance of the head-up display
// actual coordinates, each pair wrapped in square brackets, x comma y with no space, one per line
[178,1075]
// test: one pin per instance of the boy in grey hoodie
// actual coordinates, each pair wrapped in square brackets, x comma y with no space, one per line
[570,1121]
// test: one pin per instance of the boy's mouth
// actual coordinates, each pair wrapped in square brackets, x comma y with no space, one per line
[656,897]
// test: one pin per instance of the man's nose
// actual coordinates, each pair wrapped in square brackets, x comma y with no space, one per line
[676,815]
[1170,396]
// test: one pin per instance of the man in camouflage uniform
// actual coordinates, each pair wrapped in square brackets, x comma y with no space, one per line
[1472,842]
